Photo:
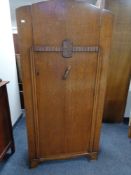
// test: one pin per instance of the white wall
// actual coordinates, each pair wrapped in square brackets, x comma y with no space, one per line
[7,60]
[128,104]
[18,3]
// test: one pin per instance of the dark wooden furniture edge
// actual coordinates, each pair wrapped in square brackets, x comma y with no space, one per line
[9,146]
[3,83]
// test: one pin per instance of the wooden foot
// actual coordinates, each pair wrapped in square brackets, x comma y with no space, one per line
[93,156]
[33,163]
[129,132]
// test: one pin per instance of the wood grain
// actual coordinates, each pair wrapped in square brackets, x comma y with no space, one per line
[65,118]
[120,61]
[25,42]
[6,135]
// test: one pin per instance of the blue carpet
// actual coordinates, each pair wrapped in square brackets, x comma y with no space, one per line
[114,157]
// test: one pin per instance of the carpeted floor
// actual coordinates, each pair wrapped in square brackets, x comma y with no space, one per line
[114,158]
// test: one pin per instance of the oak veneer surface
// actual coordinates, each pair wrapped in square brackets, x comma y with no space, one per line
[63,116]
[120,61]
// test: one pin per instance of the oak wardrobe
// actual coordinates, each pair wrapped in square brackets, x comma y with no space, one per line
[64,51]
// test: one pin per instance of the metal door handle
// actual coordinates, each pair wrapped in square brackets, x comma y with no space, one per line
[67,71]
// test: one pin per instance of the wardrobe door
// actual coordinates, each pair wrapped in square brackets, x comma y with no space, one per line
[64,106]
[65,87]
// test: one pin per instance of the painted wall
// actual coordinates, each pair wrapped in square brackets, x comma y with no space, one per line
[7,60]
[128,104]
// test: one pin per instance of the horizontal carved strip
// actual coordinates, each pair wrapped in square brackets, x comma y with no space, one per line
[60,49]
